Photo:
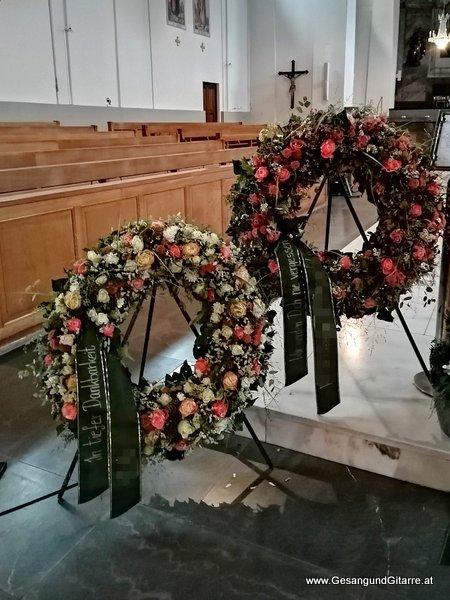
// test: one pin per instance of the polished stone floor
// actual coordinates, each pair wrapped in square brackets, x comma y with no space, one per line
[215,525]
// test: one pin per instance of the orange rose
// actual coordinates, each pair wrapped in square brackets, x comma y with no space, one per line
[187,407]
[145,259]
[190,249]
[230,381]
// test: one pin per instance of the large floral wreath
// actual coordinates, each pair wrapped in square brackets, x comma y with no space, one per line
[232,351]
[266,203]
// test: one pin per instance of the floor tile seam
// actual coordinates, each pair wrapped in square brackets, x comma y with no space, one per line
[242,540]
[371,437]
[23,462]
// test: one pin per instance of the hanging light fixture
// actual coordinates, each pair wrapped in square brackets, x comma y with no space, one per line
[441,39]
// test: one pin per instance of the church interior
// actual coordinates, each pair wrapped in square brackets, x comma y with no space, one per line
[117,112]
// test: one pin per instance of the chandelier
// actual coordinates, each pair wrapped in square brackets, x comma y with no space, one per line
[441,39]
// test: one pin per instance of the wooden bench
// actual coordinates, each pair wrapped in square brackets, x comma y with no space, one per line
[29,123]
[9,160]
[25,178]
[98,142]
[239,139]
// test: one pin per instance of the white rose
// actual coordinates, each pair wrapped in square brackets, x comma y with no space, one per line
[67,370]
[120,302]
[185,429]
[66,339]
[215,318]
[199,289]
[137,244]
[111,259]
[237,350]
[130,266]
[170,232]
[101,319]
[102,296]
[92,314]
[94,257]
[101,280]
[188,388]
[221,425]
[208,395]
[164,399]
[196,260]
[258,308]
[227,332]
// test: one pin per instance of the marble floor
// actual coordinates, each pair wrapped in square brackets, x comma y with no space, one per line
[218,525]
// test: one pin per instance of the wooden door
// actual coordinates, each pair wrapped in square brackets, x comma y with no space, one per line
[210,101]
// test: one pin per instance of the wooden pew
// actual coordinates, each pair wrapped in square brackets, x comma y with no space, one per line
[28,146]
[60,133]
[30,123]
[9,160]
[25,178]
[98,142]
[239,139]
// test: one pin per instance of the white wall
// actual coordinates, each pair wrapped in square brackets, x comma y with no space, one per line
[123,50]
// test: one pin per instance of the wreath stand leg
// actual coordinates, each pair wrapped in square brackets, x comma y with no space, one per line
[347,196]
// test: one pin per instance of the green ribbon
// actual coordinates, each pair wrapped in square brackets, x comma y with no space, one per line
[326,360]
[93,466]
[294,310]
[124,439]
[303,277]
[108,426]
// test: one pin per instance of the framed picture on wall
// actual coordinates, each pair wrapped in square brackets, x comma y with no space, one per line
[201,16]
[176,15]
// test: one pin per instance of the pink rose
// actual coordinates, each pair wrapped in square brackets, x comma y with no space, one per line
[181,445]
[80,267]
[434,188]
[256,366]
[73,325]
[283,174]
[108,329]
[174,251]
[257,161]
[127,238]
[339,293]
[362,141]
[415,210]
[201,366]
[396,279]
[188,407]
[52,337]
[296,144]
[158,417]
[387,266]
[346,263]
[378,188]
[257,220]
[69,411]
[137,283]
[253,199]
[219,408]
[225,252]
[261,173]
[48,360]
[397,236]
[239,332]
[419,253]
[273,189]
[286,152]
[272,236]
[370,303]
[413,183]
[403,143]
[392,164]
[327,148]
[272,266]
[295,165]
[337,136]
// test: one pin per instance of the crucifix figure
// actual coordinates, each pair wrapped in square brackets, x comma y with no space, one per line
[292,76]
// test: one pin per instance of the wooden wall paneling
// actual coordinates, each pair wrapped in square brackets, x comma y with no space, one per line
[34,250]
[160,205]
[95,219]
[204,204]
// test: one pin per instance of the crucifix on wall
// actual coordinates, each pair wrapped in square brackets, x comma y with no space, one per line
[292,76]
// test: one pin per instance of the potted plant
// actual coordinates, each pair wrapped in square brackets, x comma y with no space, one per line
[440,380]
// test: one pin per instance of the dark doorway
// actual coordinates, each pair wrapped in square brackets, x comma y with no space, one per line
[210,101]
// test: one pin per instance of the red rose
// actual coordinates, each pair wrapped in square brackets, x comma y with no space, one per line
[413,183]
[80,267]
[362,141]
[69,411]
[415,210]
[257,338]
[210,295]
[261,173]
[108,329]
[339,293]
[419,253]
[387,266]
[346,263]
[286,152]
[239,332]
[272,266]
[397,236]
[283,174]
[434,188]
[113,287]
[272,236]
[253,199]
[296,144]
[396,279]
[209,268]
[327,148]
[295,165]
[256,366]
[257,220]
[337,136]
[219,408]
[257,161]
[378,188]
[158,417]
[201,366]
[181,445]
[73,325]
[174,251]
[273,189]
[370,303]
[160,249]
[392,164]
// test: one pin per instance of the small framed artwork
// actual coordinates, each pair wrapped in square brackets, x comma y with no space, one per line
[176,15]
[201,17]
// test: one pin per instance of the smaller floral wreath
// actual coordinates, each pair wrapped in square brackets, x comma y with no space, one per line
[196,405]
[267,198]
